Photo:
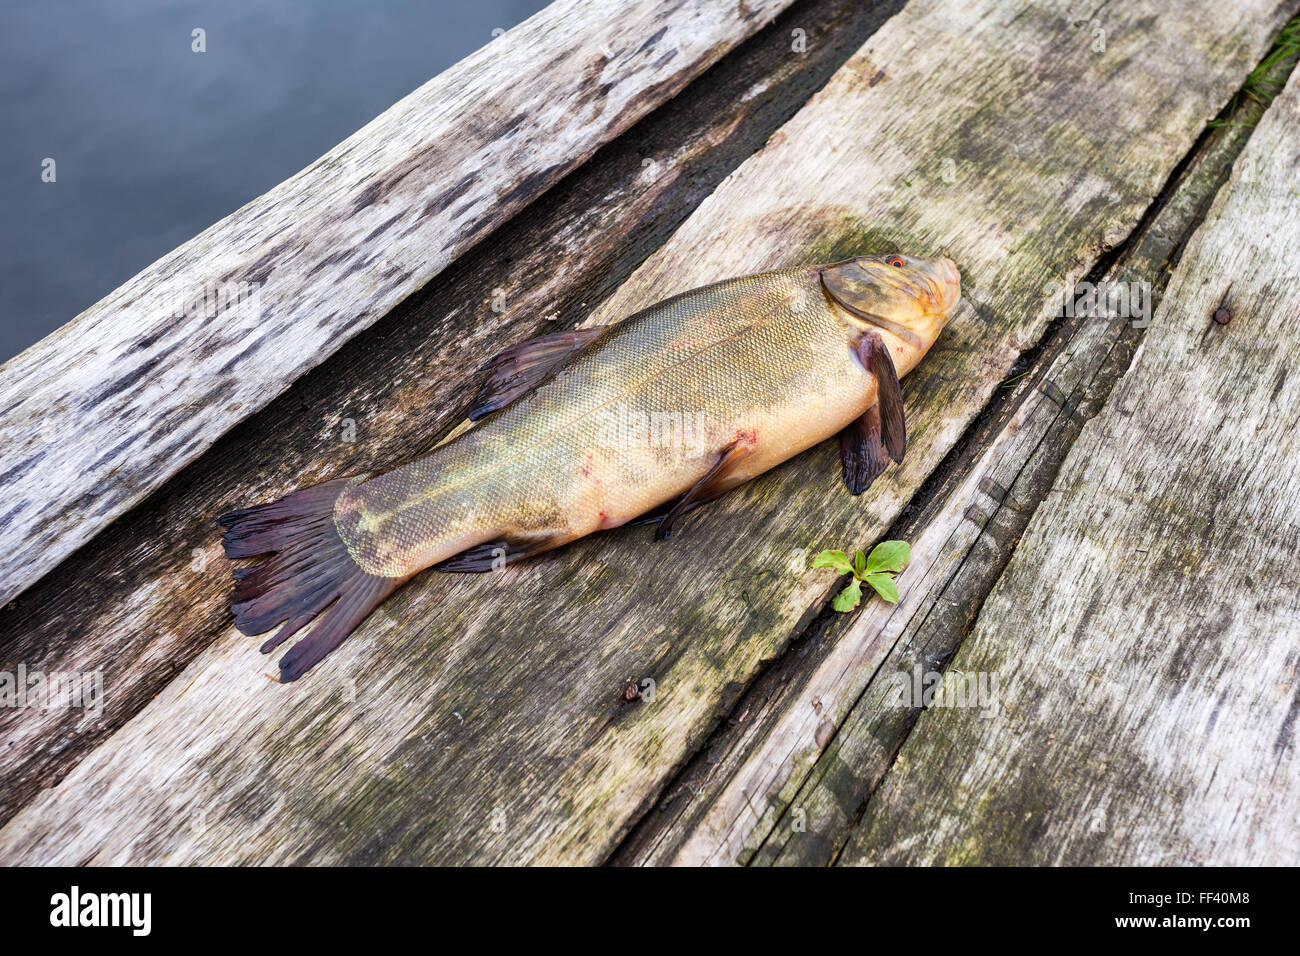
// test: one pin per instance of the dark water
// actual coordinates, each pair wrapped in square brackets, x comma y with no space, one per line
[153,142]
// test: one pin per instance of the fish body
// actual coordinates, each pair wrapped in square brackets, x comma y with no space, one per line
[588,430]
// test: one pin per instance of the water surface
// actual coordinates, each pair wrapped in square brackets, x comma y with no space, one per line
[153,142]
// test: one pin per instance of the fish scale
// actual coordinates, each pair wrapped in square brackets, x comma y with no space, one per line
[691,359]
[589,429]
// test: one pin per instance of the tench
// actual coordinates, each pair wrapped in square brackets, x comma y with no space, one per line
[591,428]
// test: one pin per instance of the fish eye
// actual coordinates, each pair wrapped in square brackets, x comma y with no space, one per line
[895,261]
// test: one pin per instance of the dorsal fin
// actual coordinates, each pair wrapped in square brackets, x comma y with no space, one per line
[521,368]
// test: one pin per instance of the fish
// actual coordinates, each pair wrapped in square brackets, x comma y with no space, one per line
[641,421]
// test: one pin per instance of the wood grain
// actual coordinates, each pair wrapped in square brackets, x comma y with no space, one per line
[1147,710]
[98,415]
[145,597]
[810,741]
[483,719]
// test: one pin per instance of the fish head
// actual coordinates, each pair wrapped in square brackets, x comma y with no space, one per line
[906,300]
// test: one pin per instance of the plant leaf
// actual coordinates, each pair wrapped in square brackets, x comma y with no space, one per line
[889,556]
[884,586]
[859,563]
[833,559]
[849,598]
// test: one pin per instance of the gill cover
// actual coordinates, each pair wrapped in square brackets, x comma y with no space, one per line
[898,289]
[907,300]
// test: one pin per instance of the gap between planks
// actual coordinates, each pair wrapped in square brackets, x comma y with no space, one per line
[1149,253]
[400,386]
[98,415]
[1169,672]
[471,699]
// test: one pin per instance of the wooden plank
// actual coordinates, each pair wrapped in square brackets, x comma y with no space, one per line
[96,416]
[486,723]
[783,782]
[1148,709]
[141,600]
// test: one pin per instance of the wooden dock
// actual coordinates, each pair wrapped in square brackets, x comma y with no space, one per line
[1103,509]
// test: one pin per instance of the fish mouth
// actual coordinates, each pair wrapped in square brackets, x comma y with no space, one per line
[945,286]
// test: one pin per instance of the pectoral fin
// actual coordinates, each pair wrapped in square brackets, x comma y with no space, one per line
[874,356]
[521,368]
[712,485]
[862,451]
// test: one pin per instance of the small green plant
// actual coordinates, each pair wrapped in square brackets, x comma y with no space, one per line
[1267,80]
[876,570]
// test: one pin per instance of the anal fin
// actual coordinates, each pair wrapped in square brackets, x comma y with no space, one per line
[494,555]
[521,368]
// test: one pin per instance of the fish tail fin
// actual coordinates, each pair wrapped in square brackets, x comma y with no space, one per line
[307,572]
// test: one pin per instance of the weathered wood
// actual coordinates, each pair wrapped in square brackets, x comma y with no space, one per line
[486,723]
[98,415]
[394,390]
[785,780]
[1147,711]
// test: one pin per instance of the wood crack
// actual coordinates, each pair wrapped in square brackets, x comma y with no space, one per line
[1193,182]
